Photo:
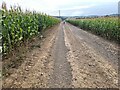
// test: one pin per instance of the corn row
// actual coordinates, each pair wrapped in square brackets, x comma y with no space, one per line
[106,27]
[18,26]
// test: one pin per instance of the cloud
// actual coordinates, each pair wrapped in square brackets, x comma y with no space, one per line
[67,7]
[78,7]
[77,13]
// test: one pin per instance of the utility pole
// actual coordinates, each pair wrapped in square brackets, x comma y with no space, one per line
[59,13]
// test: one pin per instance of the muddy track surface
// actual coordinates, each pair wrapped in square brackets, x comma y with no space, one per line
[68,58]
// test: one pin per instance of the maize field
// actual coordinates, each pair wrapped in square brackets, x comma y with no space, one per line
[106,27]
[18,26]
[0,32]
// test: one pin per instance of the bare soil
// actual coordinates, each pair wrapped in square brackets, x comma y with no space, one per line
[67,57]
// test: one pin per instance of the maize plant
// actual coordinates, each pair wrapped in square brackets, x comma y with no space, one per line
[0,32]
[18,26]
[106,27]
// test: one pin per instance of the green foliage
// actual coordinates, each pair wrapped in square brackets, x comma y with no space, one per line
[0,31]
[18,26]
[106,27]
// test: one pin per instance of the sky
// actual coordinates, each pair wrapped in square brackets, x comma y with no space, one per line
[68,7]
